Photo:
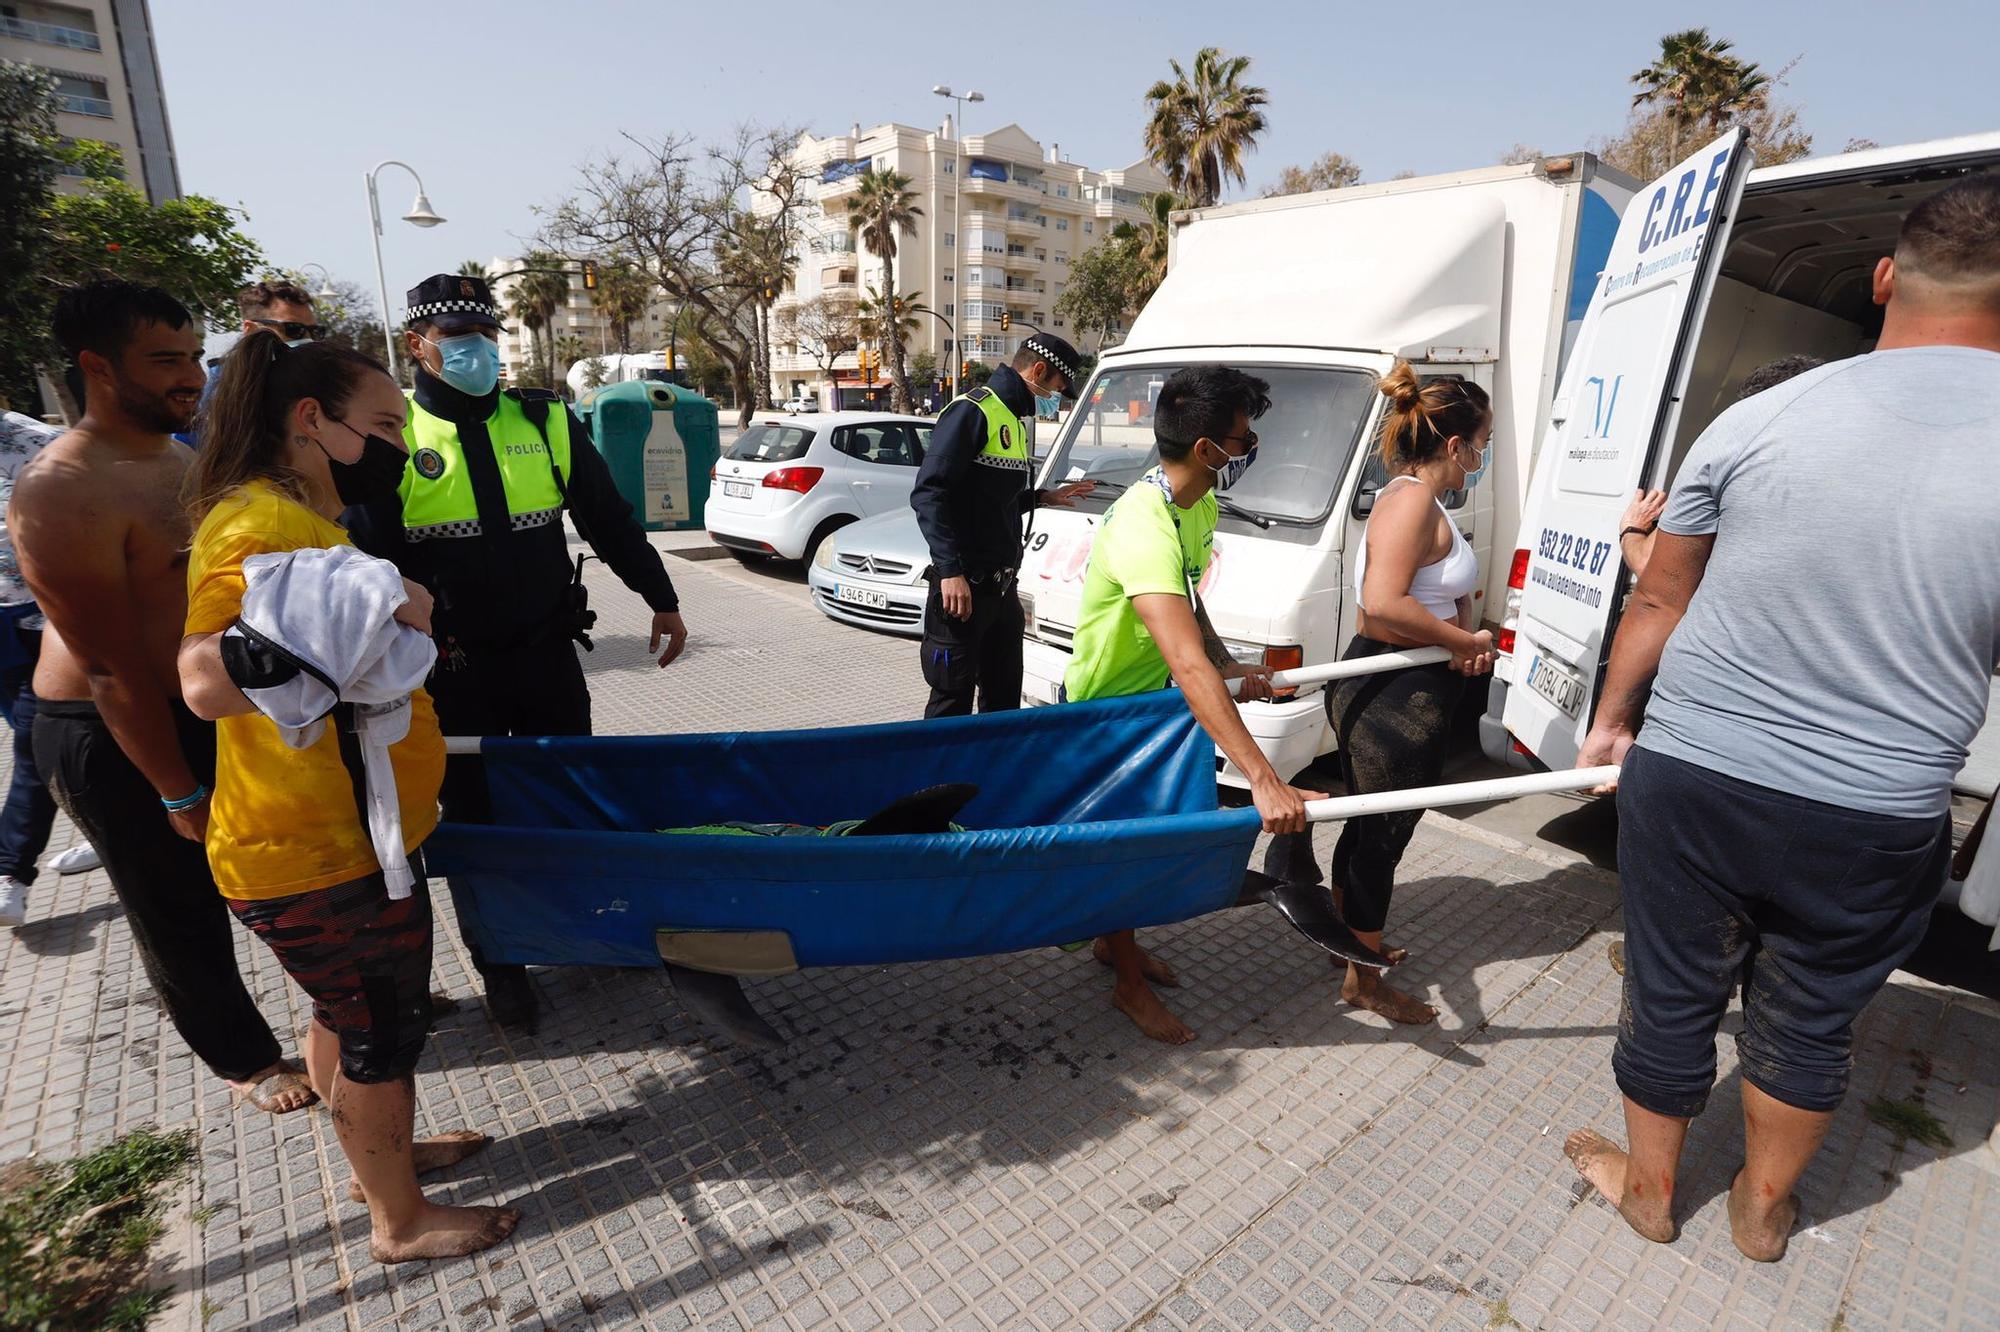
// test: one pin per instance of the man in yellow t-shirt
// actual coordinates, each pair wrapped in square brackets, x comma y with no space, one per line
[1141,623]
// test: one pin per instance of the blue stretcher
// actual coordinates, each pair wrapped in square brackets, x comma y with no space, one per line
[1089,818]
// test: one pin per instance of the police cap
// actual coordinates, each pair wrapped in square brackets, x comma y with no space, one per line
[1060,356]
[453,302]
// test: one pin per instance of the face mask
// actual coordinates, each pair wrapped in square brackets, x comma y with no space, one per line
[469,363]
[376,475]
[1472,477]
[1048,405]
[1232,471]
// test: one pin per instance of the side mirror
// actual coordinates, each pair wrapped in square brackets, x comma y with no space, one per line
[1364,501]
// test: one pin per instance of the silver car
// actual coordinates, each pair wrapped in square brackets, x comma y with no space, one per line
[871,574]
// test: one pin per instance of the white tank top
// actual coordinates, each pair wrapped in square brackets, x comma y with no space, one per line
[1436,586]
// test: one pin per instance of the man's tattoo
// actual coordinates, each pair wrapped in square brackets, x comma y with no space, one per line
[1211,642]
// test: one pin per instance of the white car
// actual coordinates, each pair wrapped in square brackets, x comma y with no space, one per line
[785,486]
[872,574]
[802,403]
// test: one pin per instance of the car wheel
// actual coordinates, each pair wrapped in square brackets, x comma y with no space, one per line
[821,533]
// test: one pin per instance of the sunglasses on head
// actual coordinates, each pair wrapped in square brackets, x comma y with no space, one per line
[292,332]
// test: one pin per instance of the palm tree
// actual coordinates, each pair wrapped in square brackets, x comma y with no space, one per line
[758,260]
[624,293]
[1148,239]
[1696,81]
[472,268]
[534,301]
[883,205]
[1203,123]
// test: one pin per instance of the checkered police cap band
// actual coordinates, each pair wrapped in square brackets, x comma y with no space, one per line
[1041,349]
[432,309]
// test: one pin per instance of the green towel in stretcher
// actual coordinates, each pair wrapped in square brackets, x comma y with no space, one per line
[927,811]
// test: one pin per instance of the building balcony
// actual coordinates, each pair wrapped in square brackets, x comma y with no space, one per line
[98,107]
[1021,259]
[50,34]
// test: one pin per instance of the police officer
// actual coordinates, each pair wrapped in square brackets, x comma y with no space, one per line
[478,520]
[970,494]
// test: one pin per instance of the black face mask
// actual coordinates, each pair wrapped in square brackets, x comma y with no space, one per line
[377,474]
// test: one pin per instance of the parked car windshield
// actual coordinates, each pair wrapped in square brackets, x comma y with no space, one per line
[1304,441]
[769,442]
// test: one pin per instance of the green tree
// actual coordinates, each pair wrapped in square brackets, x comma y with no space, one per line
[1202,123]
[29,161]
[882,207]
[569,349]
[537,295]
[1695,81]
[472,268]
[1104,284]
[1149,240]
[1329,171]
[624,294]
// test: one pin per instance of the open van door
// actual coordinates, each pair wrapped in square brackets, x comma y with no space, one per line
[1612,418]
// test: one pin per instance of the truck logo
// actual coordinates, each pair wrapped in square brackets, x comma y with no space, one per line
[1677,221]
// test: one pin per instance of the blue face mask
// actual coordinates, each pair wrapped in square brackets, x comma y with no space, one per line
[1048,407]
[1472,477]
[469,362]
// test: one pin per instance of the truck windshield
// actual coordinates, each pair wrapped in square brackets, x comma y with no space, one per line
[1304,441]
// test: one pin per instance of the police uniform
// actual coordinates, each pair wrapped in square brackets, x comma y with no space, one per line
[478,520]
[970,495]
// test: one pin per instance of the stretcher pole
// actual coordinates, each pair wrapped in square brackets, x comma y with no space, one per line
[461,744]
[1346,670]
[1459,793]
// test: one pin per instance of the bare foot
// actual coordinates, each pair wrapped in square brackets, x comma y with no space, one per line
[277,1090]
[1378,996]
[1614,952]
[1150,1015]
[1761,1238]
[446,1232]
[434,1154]
[1396,956]
[1602,1164]
[1151,967]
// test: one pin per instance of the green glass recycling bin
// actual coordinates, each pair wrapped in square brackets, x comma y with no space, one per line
[660,441]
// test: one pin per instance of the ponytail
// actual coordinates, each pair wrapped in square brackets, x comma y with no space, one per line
[244,426]
[1422,415]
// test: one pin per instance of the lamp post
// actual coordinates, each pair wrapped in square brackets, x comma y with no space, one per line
[420,215]
[326,291]
[957,187]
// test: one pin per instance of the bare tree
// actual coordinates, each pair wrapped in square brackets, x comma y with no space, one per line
[826,327]
[683,210]
[1328,171]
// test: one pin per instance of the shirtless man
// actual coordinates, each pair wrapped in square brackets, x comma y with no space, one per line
[101,537]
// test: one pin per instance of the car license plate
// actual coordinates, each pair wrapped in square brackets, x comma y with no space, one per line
[861,596]
[1555,681]
[737,489]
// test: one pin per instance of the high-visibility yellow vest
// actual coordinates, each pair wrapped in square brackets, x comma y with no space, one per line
[437,487]
[1006,433]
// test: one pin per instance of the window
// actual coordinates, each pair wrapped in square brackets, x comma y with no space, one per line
[950,168]
[1061,258]
[950,240]
[77,38]
[1059,322]
[771,443]
[1062,191]
[949,312]
[887,445]
[1062,224]
[1086,227]
[947,277]
[83,96]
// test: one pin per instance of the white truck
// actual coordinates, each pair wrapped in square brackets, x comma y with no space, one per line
[1485,274]
[1650,304]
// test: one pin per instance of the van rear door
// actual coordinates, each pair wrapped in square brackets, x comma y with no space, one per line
[1614,413]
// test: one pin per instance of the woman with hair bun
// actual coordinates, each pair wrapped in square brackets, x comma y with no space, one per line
[1413,583]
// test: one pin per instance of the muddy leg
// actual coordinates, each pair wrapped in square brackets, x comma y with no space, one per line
[1778,1143]
[1638,1182]
[1135,998]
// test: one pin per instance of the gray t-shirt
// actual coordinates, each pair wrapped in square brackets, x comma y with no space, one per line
[1842,639]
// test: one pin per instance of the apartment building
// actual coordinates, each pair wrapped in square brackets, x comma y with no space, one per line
[1003,217]
[108,79]
[577,318]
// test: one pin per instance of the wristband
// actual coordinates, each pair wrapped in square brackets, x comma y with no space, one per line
[1638,531]
[186,802]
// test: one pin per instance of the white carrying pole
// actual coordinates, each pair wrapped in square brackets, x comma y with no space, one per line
[1458,793]
[1343,670]
[461,744]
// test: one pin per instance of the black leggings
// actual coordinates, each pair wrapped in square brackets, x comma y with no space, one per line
[1393,731]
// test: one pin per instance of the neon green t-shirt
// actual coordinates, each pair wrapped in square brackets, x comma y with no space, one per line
[1145,544]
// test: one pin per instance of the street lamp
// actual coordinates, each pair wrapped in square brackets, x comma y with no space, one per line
[326,291]
[957,185]
[420,215]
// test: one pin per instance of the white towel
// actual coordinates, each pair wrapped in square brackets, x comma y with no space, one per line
[331,613]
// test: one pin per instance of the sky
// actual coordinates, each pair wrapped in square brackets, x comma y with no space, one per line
[281,108]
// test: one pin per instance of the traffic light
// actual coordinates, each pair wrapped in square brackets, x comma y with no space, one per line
[964,369]
[1006,320]
[867,366]
[590,275]
[670,357]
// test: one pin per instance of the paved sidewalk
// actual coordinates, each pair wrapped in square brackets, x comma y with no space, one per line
[987,1144]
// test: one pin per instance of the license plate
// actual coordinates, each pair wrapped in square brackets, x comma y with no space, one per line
[861,596]
[1558,683]
[738,489]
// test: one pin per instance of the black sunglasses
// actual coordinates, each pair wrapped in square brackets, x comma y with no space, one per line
[292,332]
